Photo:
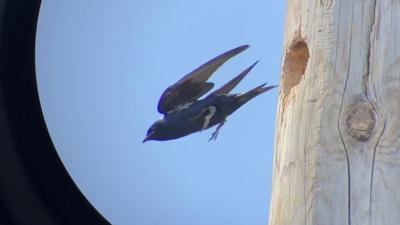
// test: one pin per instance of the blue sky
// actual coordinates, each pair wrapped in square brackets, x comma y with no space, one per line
[101,68]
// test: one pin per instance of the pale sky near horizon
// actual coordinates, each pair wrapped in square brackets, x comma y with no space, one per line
[101,68]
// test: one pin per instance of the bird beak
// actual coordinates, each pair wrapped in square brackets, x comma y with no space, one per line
[147,138]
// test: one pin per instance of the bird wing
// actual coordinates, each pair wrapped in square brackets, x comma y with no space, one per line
[226,88]
[193,85]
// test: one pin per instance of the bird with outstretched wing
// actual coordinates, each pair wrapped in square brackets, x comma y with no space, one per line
[184,113]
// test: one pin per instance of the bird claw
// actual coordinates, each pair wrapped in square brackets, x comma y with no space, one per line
[214,134]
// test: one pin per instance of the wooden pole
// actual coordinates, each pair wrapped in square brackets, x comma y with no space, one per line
[337,148]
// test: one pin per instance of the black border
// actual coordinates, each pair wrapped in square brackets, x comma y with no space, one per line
[35,188]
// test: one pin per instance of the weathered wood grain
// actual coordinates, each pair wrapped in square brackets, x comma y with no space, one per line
[337,158]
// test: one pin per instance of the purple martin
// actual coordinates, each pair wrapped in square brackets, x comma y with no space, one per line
[184,113]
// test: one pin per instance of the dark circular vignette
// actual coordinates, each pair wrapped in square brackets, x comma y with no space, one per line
[35,188]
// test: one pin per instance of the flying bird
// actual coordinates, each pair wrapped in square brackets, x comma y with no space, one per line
[184,113]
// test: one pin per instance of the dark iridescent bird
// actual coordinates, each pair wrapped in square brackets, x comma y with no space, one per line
[184,113]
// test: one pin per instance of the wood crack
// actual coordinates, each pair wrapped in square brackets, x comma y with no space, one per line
[372,172]
[366,75]
[338,124]
[373,104]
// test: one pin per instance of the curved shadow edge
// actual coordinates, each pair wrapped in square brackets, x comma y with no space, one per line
[35,187]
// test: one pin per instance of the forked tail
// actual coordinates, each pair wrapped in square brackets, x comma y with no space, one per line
[245,97]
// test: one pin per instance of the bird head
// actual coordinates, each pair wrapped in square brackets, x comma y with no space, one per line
[155,131]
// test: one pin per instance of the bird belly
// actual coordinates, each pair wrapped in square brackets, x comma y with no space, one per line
[193,121]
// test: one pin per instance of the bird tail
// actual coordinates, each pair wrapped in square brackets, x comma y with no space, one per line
[225,89]
[245,97]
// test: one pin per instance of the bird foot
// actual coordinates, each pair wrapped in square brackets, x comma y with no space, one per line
[214,134]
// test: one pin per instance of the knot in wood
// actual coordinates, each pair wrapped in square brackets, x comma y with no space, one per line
[361,121]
